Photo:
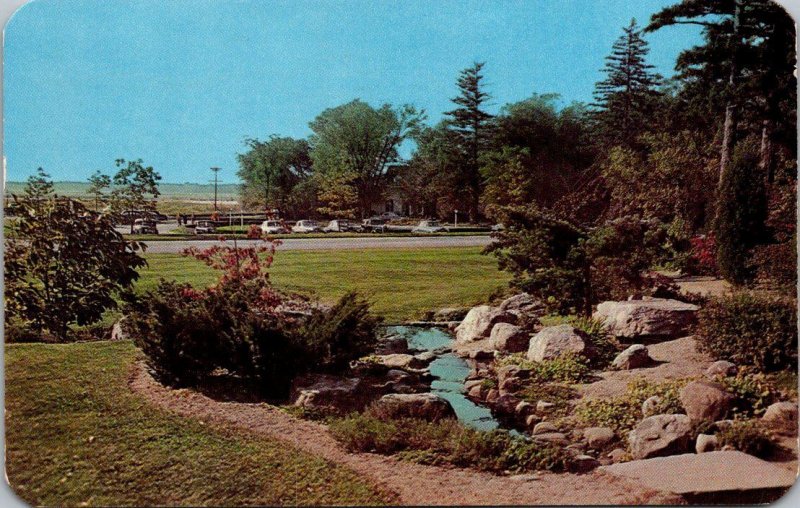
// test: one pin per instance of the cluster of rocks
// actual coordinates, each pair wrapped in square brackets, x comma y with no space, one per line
[394,373]
[505,328]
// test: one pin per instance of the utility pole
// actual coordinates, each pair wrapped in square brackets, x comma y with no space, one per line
[215,170]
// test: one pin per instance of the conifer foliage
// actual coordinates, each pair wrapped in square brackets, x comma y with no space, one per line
[625,97]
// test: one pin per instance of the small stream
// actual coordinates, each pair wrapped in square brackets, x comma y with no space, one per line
[450,372]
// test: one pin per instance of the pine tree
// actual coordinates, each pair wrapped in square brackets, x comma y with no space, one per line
[471,124]
[624,99]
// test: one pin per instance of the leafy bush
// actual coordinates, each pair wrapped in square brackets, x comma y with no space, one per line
[623,413]
[746,436]
[446,442]
[556,393]
[244,330]
[750,330]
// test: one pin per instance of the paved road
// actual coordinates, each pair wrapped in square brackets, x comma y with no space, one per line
[416,242]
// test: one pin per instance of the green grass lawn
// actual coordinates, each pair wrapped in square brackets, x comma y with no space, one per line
[76,435]
[401,284]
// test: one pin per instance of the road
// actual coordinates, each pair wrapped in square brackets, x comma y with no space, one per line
[356,243]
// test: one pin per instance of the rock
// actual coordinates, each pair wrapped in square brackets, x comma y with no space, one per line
[723,424]
[449,314]
[481,354]
[512,372]
[583,464]
[426,406]
[401,361]
[392,345]
[471,383]
[651,405]
[478,323]
[544,428]
[706,443]
[544,406]
[617,455]
[330,393]
[477,392]
[492,395]
[598,437]
[119,330]
[554,341]
[551,438]
[524,409]
[635,357]
[660,435]
[532,420]
[782,418]
[721,368]
[426,357]
[523,304]
[510,385]
[656,317]
[705,400]
[509,338]
[506,404]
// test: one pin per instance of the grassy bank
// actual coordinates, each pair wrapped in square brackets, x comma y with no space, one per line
[401,284]
[76,434]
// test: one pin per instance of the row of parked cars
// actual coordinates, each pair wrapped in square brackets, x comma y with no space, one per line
[373,225]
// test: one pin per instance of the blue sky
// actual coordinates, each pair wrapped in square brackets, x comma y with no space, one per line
[180,83]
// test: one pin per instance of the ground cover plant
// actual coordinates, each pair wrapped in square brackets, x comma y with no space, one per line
[446,442]
[75,433]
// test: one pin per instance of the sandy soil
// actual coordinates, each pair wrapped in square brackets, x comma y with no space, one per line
[413,483]
[674,359]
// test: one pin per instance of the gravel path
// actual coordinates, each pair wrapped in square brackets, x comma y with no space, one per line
[352,243]
[414,484]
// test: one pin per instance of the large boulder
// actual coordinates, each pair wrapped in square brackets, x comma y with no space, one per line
[555,341]
[782,418]
[635,357]
[479,321]
[721,368]
[328,393]
[426,406]
[705,401]
[402,361]
[394,344]
[655,317]
[660,435]
[509,338]
[598,437]
[523,304]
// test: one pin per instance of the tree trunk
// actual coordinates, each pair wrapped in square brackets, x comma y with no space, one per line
[766,153]
[731,113]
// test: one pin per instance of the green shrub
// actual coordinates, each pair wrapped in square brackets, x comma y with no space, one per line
[623,413]
[569,368]
[753,393]
[746,436]
[556,393]
[750,330]
[446,442]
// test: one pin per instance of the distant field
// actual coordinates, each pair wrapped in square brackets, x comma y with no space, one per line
[170,191]
[401,284]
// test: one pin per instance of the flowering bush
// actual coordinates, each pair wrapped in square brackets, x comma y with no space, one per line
[703,255]
[243,329]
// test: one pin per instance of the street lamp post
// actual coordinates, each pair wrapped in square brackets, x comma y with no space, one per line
[455,223]
[215,170]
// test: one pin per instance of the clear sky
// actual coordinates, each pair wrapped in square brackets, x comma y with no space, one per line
[180,83]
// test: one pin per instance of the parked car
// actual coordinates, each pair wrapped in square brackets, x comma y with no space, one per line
[306,226]
[204,227]
[498,227]
[373,225]
[273,227]
[144,226]
[390,216]
[340,226]
[429,226]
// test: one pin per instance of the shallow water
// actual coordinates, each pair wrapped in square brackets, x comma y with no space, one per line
[450,371]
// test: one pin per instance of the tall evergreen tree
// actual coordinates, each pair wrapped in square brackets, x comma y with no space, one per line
[471,123]
[625,97]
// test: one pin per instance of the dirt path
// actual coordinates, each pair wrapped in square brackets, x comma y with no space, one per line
[675,359]
[414,484]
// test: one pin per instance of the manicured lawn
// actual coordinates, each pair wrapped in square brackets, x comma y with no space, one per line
[401,284]
[76,435]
